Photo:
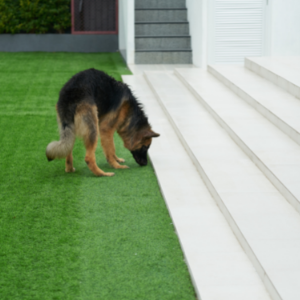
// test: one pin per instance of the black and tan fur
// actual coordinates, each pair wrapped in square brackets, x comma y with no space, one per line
[90,104]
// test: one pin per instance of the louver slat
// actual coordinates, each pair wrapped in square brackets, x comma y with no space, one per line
[238,30]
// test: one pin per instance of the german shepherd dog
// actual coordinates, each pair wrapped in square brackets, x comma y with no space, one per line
[93,103]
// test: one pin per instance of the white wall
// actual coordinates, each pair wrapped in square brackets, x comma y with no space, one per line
[282,28]
[197,16]
[126,30]
[285,27]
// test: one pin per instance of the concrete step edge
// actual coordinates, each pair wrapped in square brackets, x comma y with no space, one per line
[168,22]
[164,50]
[161,36]
[163,57]
[287,194]
[273,76]
[236,230]
[161,8]
[272,117]
[189,248]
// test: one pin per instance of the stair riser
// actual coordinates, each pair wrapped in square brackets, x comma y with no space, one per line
[163,57]
[160,15]
[160,4]
[284,127]
[161,29]
[278,80]
[164,43]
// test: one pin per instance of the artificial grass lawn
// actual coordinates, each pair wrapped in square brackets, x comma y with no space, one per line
[75,236]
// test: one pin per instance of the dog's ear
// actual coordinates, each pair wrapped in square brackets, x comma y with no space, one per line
[151,134]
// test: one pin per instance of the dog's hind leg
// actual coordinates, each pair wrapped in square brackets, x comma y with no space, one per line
[69,163]
[107,143]
[63,147]
[86,125]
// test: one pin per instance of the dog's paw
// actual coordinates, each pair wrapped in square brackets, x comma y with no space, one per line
[108,174]
[120,167]
[124,167]
[120,160]
[71,170]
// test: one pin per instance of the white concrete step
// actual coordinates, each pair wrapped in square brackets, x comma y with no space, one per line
[283,71]
[277,156]
[266,225]
[219,267]
[278,106]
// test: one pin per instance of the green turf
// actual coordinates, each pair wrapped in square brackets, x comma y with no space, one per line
[75,236]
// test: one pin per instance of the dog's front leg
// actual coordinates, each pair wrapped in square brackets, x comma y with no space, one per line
[107,143]
[118,159]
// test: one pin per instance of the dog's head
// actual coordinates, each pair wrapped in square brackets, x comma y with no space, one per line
[142,144]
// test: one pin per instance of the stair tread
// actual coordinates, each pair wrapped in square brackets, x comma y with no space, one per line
[281,66]
[276,151]
[159,22]
[207,241]
[274,103]
[163,50]
[282,104]
[160,3]
[163,57]
[161,8]
[267,222]
[162,36]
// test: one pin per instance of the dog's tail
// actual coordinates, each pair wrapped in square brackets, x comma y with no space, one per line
[63,147]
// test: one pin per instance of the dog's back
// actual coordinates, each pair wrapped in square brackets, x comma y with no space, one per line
[92,87]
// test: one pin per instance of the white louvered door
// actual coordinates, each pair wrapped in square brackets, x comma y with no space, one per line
[237,30]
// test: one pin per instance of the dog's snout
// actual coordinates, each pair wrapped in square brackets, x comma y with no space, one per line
[140,156]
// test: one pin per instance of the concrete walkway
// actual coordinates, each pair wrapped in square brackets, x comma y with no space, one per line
[228,164]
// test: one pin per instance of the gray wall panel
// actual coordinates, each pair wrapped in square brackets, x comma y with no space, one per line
[58,43]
